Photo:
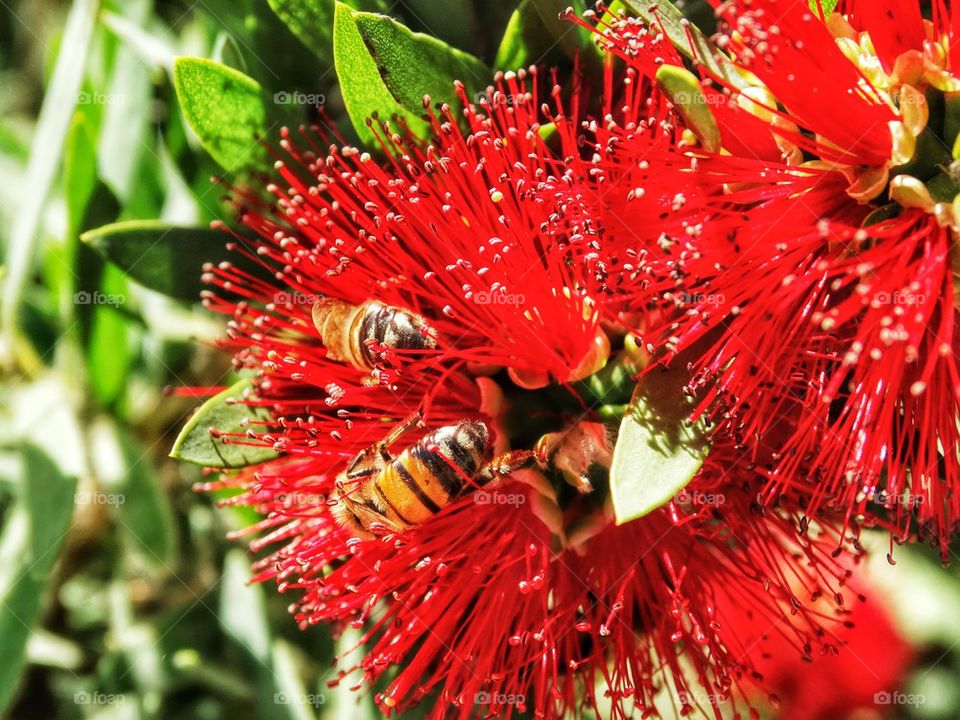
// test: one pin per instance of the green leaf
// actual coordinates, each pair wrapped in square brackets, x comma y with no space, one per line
[312,20]
[828,6]
[109,352]
[526,40]
[683,89]
[32,538]
[79,170]
[385,69]
[412,64]
[658,450]
[195,444]
[224,107]
[571,37]
[124,468]
[45,155]
[165,258]
[677,28]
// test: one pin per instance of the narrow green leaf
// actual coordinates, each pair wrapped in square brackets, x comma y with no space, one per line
[658,450]
[224,107]
[165,258]
[125,469]
[109,351]
[79,170]
[686,37]
[222,413]
[45,155]
[683,89]
[126,102]
[385,69]
[32,538]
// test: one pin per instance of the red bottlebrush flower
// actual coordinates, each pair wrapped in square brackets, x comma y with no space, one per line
[866,666]
[522,595]
[812,262]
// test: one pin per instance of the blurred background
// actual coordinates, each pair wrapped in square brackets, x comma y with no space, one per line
[119,595]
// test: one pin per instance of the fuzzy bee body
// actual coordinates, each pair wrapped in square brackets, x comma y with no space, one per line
[381,493]
[362,335]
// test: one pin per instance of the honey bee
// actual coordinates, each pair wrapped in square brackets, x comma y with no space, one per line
[379,493]
[574,451]
[362,335]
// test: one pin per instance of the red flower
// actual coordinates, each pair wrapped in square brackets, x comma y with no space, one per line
[811,263]
[522,595]
[862,672]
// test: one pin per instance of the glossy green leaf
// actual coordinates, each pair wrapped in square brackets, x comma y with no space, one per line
[412,65]
[224,107]
[686,37]
[32,537]
[222,413]
[658,449]
[163,257]
[312,20]
[683,89]
[526,40]
[384,69]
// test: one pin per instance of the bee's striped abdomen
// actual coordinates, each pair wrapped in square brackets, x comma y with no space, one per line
[390,327]
[361,335]
[428,476]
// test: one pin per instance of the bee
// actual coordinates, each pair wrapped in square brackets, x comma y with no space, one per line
[379,493]
[574,451]
[363,335]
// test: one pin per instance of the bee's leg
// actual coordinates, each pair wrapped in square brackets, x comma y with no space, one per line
[362,520]
[364,464]
[398,430]
[503,465]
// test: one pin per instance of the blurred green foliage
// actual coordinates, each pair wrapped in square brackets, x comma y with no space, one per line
[119,597]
